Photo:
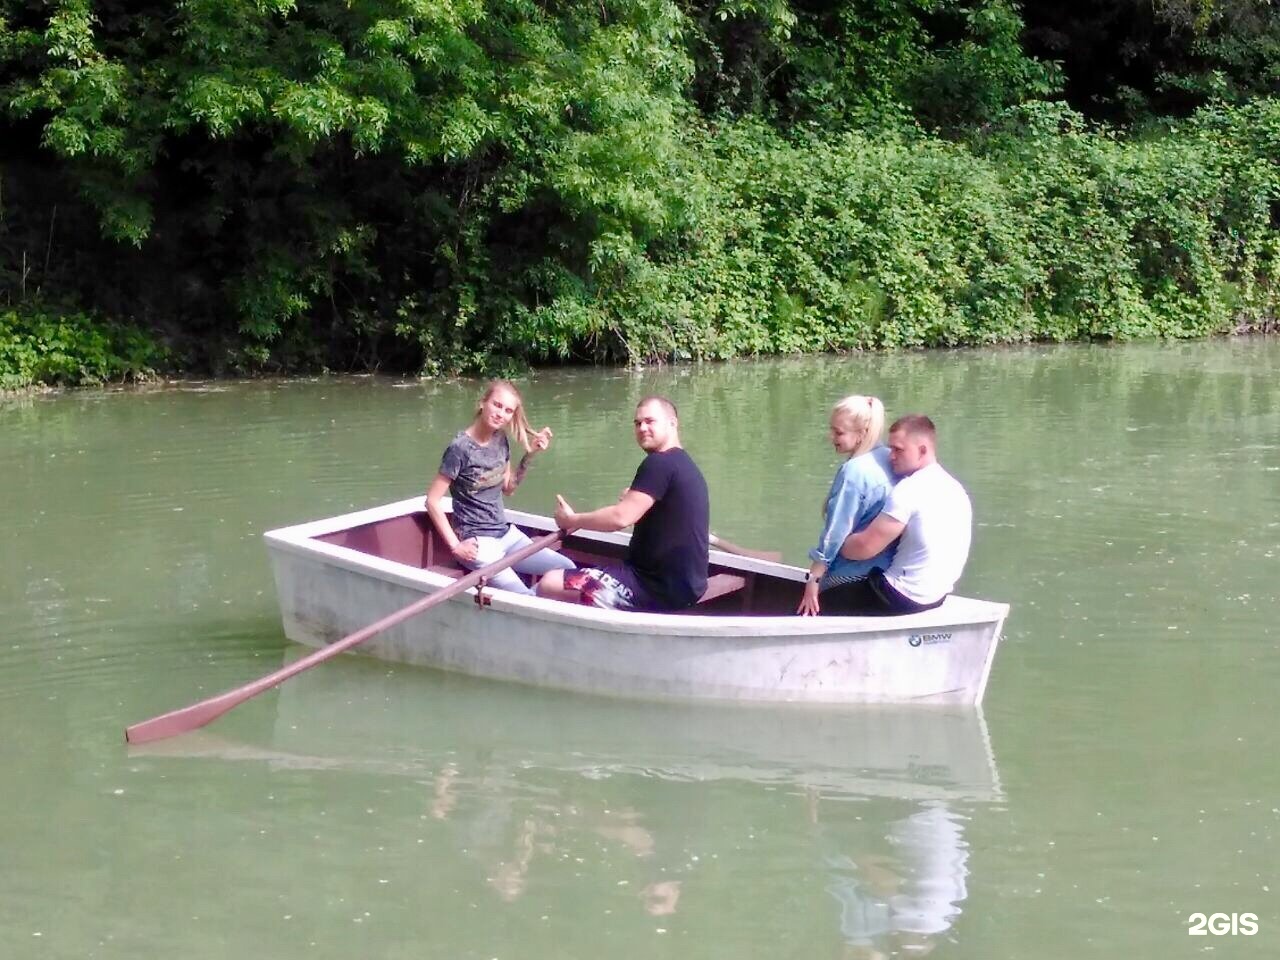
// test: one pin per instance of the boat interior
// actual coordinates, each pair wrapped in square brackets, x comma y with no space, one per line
[411,539]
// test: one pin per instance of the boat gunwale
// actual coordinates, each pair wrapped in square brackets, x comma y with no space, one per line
[301,539]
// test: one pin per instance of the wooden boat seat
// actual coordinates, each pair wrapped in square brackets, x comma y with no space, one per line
[721,585]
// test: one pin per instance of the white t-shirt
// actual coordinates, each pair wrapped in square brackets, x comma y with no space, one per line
[935,543]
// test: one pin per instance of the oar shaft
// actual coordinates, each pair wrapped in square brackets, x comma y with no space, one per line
[198,714]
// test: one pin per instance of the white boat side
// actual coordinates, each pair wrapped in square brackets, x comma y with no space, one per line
[327,591]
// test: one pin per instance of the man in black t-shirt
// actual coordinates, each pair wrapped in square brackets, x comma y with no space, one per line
[666,564]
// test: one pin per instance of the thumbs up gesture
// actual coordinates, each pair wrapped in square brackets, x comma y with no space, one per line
[565,516]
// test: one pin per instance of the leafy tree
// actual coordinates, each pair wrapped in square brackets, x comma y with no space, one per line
[947,64]
[1127,60]
[349,170]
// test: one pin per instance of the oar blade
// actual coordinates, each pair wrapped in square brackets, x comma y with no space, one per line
[179,721]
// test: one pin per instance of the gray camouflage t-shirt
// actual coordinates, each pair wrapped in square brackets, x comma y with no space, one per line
[476,473]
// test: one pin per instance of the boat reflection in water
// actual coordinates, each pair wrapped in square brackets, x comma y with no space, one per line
[842,827]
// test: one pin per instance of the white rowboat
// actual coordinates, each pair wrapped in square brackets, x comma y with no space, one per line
[742,643]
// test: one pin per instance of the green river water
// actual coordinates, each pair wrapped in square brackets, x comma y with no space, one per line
[1120,777]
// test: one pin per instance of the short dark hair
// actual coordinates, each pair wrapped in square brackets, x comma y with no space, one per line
[666,405]
[915,425]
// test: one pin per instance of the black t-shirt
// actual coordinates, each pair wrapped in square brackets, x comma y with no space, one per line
[669,546]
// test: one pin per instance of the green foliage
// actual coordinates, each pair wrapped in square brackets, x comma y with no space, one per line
[1165,236]
[1044,230]
[1232,47]
[846,243]
[1130,61]
[348,158]
[451,185]
[944,64]
[72,350]
[968,83]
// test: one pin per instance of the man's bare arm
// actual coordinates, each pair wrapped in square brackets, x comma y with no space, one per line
[618,516]
[866,543]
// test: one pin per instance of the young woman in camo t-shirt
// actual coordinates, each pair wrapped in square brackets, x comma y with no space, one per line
[476,471]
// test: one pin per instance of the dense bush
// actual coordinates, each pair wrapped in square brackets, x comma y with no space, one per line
[1043,229]
[71,349]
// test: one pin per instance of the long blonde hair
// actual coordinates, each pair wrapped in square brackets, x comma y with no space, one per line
[519,426]
[861,413]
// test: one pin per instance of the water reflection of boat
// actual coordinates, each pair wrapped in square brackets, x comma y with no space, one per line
[369,716]
[742,642]
[520,781]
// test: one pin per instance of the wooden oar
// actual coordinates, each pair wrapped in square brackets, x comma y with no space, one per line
[198,714]
[720,543]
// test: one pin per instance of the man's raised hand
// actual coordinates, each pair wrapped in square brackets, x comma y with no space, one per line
[564,513]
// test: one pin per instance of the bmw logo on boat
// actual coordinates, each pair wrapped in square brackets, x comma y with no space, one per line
[928,639]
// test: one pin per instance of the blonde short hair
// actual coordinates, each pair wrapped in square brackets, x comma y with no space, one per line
[861,413]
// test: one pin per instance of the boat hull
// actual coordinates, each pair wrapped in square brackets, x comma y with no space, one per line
[327,590]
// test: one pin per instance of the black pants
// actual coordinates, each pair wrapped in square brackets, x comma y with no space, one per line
[872,597]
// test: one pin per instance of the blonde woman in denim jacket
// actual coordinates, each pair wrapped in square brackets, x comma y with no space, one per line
[857,494]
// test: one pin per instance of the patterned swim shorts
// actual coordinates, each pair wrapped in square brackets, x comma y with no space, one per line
[612,588]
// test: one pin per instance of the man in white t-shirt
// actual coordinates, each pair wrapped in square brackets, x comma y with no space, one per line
[930,511]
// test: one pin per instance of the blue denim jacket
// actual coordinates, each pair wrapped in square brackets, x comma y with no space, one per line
[857,494]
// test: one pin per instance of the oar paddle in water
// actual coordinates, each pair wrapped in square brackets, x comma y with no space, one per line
[198,714]
[721,544]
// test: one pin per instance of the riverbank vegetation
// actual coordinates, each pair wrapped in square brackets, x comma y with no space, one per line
[457,185]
